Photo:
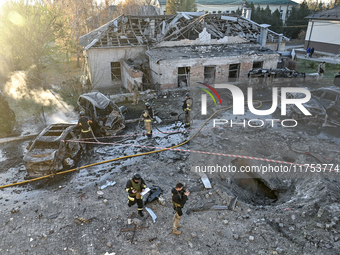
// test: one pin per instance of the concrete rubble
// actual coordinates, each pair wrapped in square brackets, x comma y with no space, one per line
[268,213]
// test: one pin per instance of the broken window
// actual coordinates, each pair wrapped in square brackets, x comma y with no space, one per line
[115,71]
[329,96]
[209,74]
[257,64]
[233,72]
[183,76]
[317,93]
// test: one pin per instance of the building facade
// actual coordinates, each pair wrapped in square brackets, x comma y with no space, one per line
[177,50]
[323,32]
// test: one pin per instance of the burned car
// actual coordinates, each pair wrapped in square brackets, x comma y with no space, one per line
[313,106]
[106,116]
[269,77]
[50,151]
[329,97]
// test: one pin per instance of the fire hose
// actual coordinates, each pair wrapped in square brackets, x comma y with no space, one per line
[119,158]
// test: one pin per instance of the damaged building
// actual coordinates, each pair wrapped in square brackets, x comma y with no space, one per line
[170,51]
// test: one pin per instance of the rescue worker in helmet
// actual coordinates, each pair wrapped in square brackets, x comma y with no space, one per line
[134,187]
[85,128]
[148,117]
[179,198]
[187,104]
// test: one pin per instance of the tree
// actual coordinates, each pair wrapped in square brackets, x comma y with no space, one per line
[174,6]
[76,12]
[297,22]
[277,23]
[29,31]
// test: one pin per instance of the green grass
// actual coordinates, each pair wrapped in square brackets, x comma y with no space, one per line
[310,66]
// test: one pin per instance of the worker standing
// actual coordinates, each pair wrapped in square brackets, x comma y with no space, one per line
[136,93]
[148,117]
[179,198]
[85,128]
[187,104]
[134,187]
[321,69]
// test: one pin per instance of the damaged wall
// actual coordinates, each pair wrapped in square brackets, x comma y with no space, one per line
[165,72]
[129,75]
[100,59]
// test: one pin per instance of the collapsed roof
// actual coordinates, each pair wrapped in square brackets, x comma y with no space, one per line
[150,30]
[202,51]
[331,14]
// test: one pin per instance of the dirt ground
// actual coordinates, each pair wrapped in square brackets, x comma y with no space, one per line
[289,211]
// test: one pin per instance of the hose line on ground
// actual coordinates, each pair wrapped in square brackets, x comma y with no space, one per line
[115,159]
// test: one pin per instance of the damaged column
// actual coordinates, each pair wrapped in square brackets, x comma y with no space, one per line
[263,35]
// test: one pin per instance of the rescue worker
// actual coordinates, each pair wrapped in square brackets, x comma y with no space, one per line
[134,187]
[136,93]
[148,117]
[179,198]
[321,69]
[187,104]
[85,128]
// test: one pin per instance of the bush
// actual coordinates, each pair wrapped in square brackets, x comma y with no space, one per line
[302,34]
[312,65]
[290,64]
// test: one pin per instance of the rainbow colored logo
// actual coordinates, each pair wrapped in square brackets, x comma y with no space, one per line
[204,97]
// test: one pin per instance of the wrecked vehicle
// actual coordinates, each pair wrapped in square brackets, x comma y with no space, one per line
[329,97]
[48,153]
[268,77]
[313,106]
[107,118]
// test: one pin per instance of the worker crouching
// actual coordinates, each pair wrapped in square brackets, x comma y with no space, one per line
[134,187]
[179,198]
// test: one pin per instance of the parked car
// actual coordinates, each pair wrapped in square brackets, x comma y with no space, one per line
[50,151]
[329,97]
[107,118]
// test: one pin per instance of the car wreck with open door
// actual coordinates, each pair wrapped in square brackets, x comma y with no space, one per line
[107,118]
[51,152]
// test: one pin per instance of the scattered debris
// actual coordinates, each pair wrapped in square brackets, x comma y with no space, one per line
[145,191]
[112,253]
[161,200]
[108,183]
[232,204]
[220,207]
[275,226]
[153,194]
[53,216]
[15,210]
[131,229]
[205,180]
[152,214]
[79,221]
